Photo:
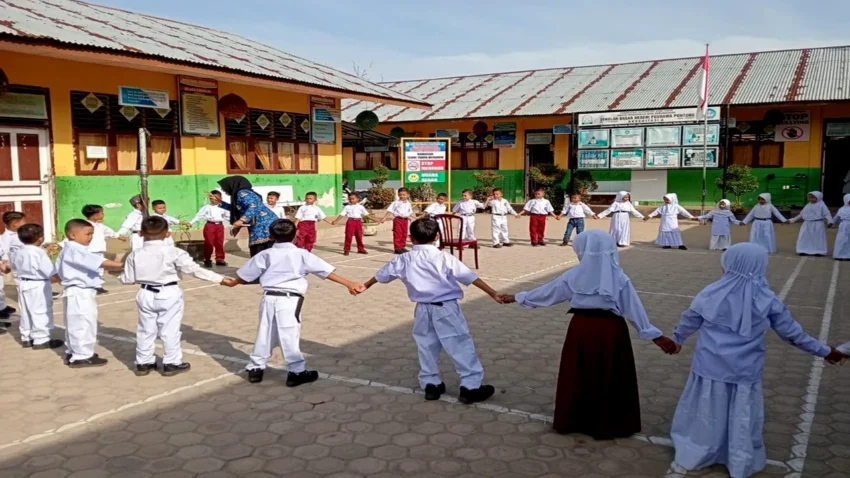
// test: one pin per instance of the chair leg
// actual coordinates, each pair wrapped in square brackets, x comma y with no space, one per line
[460,253]
[476,256]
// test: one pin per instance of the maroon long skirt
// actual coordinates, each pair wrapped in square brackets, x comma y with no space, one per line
[597,384]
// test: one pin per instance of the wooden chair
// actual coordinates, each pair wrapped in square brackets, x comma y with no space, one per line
[451,239]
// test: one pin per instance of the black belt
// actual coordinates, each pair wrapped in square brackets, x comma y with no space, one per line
[155,288]
[213,222]
[535,214]
[355,219]
[495,214]
[601,313]
[32,280]
[762,218]
[571,218]
[278,293]
[468,215]
[620,212]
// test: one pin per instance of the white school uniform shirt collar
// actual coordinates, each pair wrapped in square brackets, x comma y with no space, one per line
[401,208]
[284,268]
[538,206]
[428,274]
[310,212]
[354,211]
[171,220]
[501,206]
[77,267]
[576,211]
[435,209]
[211,213]
[157,263]
[467,207]
[279,210]
[132,223]
[31,262]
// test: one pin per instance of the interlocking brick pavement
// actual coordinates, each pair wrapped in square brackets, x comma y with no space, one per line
[363,417]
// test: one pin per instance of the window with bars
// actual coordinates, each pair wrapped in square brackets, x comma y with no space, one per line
[755,146]
[265,141]
[370,160]
[106,136]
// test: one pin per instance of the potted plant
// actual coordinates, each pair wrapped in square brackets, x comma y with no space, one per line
[370,227]
[551,178]
[486,180]
[423,194]
[582,183]
[738,180]
[379,196]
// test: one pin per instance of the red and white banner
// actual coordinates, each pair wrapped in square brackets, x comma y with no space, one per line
[702,109]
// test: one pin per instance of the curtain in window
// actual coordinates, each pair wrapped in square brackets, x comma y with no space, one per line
[160,152]
[376,159]
[306,160]
[457,159]
[473,160]
[263,154]
[491,159]
[128,152]
[742,154]
[770,154]
[87,164]
[239,154]
[393,156]
[361,161]
[286,156]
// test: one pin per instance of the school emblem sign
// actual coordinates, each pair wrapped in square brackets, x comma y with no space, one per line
[426,160]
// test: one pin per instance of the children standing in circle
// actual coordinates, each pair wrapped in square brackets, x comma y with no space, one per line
[668,232]
[812,238]
[621,209]
[762,232]
[575,210]
[721,225]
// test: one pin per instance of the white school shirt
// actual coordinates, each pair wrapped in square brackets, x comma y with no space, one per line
[309,212]
[501,207]
[157,263]
[132,223]
[401,209]
[435,209]
[814,212]
[467,208]
[284,268]
[539,206]
[576,211]
[9,243]
[354,211]
[101,233]
[670,216]
[32,263]
[77,267]
[211,213]
[171,220]
[429,274]
[763,212]
[278,211]
[721,222]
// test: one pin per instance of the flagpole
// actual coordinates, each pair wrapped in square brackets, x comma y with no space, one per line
[704,140]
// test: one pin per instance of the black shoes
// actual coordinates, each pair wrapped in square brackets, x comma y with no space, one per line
[509,244]
[93,361]
[5,324]
[400,251]
[666,247]
[220,264]
[207,264]
[362,252]
[479,394]
[433,392]
[5,313]
[255,375]
[101,291]
[296,379]
[346,253]
[497,246]
[541,244]
[50,344]
[565,244]
[683,248]
[143,369]
[26,344]
[170,370]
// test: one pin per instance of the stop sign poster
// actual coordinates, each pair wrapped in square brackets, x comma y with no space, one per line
[425,161]
[794,127]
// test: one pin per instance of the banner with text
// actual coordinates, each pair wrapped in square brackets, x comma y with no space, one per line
[198,106]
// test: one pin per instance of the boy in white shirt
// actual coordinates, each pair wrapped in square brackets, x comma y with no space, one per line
[94,214]
[133,223]
[432,280]
[538,209]
[159,209]
[271,199]
[9,243]
[306,218]
[437,207]
[33,274]
[402,211]
[354,213]
[575,210]
[79,272]
[281,271]
[215,216]
[499,210]
[466,208]
[156,268]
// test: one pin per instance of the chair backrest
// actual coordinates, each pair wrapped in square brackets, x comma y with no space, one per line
[447,231]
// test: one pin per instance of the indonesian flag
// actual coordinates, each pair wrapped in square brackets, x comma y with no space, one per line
[702,109]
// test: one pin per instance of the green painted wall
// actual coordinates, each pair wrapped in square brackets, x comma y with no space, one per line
[183,195]
[687,184]
[513,183]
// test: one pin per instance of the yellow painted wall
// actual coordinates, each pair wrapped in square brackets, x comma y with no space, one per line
[199,155]
[509,158]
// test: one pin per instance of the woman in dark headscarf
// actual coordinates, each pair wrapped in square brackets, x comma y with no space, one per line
[248,210]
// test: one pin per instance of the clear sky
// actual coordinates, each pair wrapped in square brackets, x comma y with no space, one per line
[413,39]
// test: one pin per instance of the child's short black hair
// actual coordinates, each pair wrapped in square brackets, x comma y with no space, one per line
[90,210]
[30,233]
[497,190]
[403,190]
[75,224]
[283,230]
[273,193]
[466,191]
[442,195]
[424,231]
[216,192]
[157,203]
[312,193]
[540,190]
[11,216]
[353,195]
[154,226]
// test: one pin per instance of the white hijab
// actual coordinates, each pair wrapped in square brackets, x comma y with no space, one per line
[723,212]
[620,204]
[814,211]
[741,299]
[598,271]
[844,212]
[620,196]
[763,211]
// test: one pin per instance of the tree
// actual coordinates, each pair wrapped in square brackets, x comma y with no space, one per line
[486,180]
[379,196]
[738,180]
[550,177]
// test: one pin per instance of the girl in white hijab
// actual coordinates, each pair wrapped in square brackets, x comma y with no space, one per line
[597,390]
[720,415]
[721,219]
[668,232]
[841,251]
[762,232]
[812,238]
[621,208]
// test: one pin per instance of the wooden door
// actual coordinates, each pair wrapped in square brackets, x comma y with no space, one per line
[25,176]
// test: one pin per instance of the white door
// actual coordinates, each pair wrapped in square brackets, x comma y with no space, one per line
[25,176]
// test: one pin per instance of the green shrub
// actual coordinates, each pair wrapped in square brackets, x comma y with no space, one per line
[738,180]
[423,193]
[486,182]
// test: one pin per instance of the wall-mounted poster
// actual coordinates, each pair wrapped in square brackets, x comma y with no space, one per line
[504,135]
[593,159]
[795,126]
[593,138]
[627,159]
[692,135]
[663,136]
[663,157]
[626,138]
[198,106]
[694,158]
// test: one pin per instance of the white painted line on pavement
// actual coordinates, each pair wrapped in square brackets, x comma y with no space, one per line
[810,401]
[60,312]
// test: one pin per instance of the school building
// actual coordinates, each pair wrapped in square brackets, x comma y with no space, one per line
[79,81]
[784,113]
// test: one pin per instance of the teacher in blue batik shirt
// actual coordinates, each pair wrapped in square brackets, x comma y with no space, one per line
[248,210]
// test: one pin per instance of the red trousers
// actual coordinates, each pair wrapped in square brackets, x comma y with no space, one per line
[353,229]
[306,236]
[400,225]
[214,241]
[537,228]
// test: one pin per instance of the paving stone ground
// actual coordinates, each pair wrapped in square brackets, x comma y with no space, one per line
[363,417]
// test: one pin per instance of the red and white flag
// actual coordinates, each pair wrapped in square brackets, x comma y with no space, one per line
[702,109]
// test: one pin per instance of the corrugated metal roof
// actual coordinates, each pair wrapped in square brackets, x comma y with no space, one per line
[104,28]
[816,74]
